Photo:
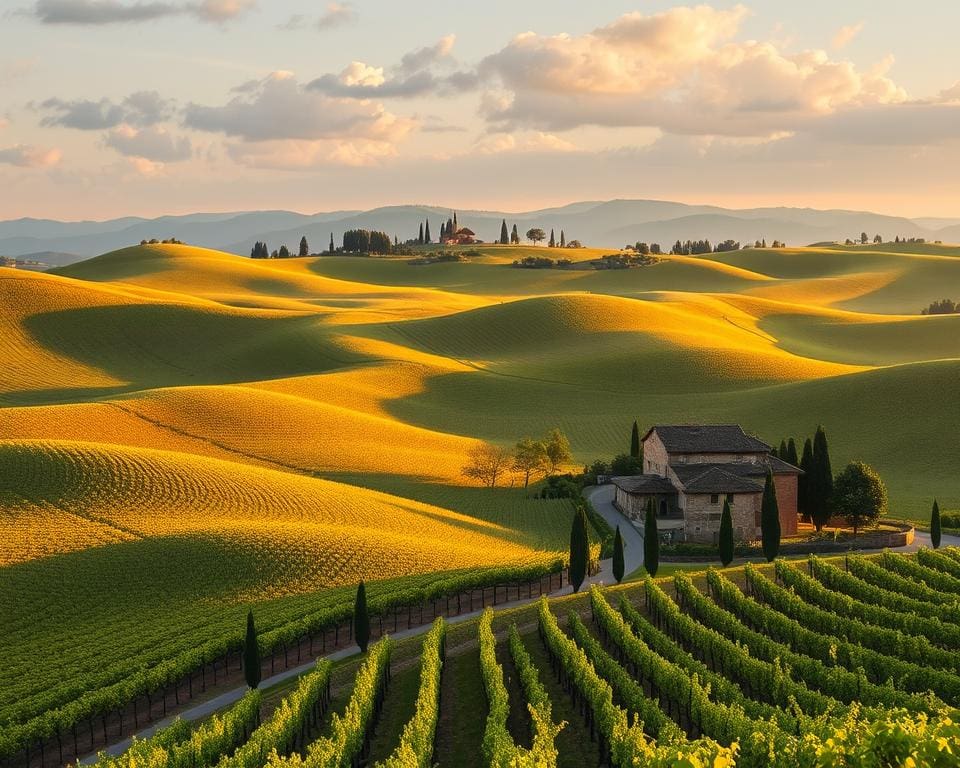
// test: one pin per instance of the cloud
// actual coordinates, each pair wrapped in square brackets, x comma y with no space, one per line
[278,108]
[337,14]
[535,142]
[412,77]
[153,143]
[845,35]
[26,156]
[302,154]
[679,70]
[98,12]
[142,108]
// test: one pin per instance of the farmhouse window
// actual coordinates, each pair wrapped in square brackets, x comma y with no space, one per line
[714,498]
[730,498]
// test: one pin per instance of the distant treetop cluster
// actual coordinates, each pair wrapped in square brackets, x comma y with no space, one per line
[168,241]
[942,307]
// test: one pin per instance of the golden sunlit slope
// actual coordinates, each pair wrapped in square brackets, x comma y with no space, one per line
[683,344]
[308,533]
[287,284]
[64,339]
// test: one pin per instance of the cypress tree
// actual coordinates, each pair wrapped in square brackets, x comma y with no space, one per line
[332,249]
[770,519]
[782,451]
[579,549]
[553,240]
[251,654]
[504,237]
[934,525]
[635,441]
[618,565]
[563,239]
[726,535]
[361,618]
[456,227]
[514,236]
[304,248]
[420,236]
[820,483]
[426,233]
[791,456]
[651,540]
[803,482]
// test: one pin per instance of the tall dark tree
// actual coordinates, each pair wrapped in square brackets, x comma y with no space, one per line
[420,235]
[361,618]
[426,232]
[579,549]
[651,539]
[770,519]
[935,531]
[284,252]
[456,227]
[251,654]
[332,248]
[803,482]
[618,565]
[635,441]
[553,240]
[726,535]
[820,483]
[791,457]
[504,236]
[563,239]
[451,226]
[304,248]
[514,236]
[782,450]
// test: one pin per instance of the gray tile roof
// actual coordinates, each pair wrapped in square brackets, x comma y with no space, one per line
[644,484]
[707,438]
[716,480]
[746,469]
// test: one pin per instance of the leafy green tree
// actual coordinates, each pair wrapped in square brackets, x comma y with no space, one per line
[770,519]
[553,240]
[726,535]
[426,232]
[624,464]
[651,540]
[530,458]
[635,441]
[504,236]
[536,235]
[791,457]
[820,482]
[859,495]
[361,618]
[563,239]
[486,463]
[251,654]
[557,448]
[803,482]
[579,549]
[618,565]
[514,236]
[935,531]
[304,248]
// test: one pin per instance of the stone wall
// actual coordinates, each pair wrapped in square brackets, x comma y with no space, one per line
[700,513]
[655,458]
[786,486]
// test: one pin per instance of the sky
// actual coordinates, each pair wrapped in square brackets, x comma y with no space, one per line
[148,107]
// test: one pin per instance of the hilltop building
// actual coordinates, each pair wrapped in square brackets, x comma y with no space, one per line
[690,470]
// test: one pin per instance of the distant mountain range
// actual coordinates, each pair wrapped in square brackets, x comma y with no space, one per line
[607,224]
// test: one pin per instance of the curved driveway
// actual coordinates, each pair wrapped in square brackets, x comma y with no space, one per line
[601,497]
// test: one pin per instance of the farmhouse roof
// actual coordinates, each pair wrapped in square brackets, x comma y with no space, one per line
[466,231]
[643,484]
[716,480]
[686,473]
[707,438]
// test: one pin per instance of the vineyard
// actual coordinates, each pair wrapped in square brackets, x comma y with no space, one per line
[716,668]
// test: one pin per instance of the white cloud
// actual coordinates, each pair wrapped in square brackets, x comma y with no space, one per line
[536,141]
[153,143]
[363,75]
[278,108]
[27,156]
[679,70]
[336,15]
[845,35]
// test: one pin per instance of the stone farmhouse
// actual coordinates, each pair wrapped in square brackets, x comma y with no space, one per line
[689,471]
